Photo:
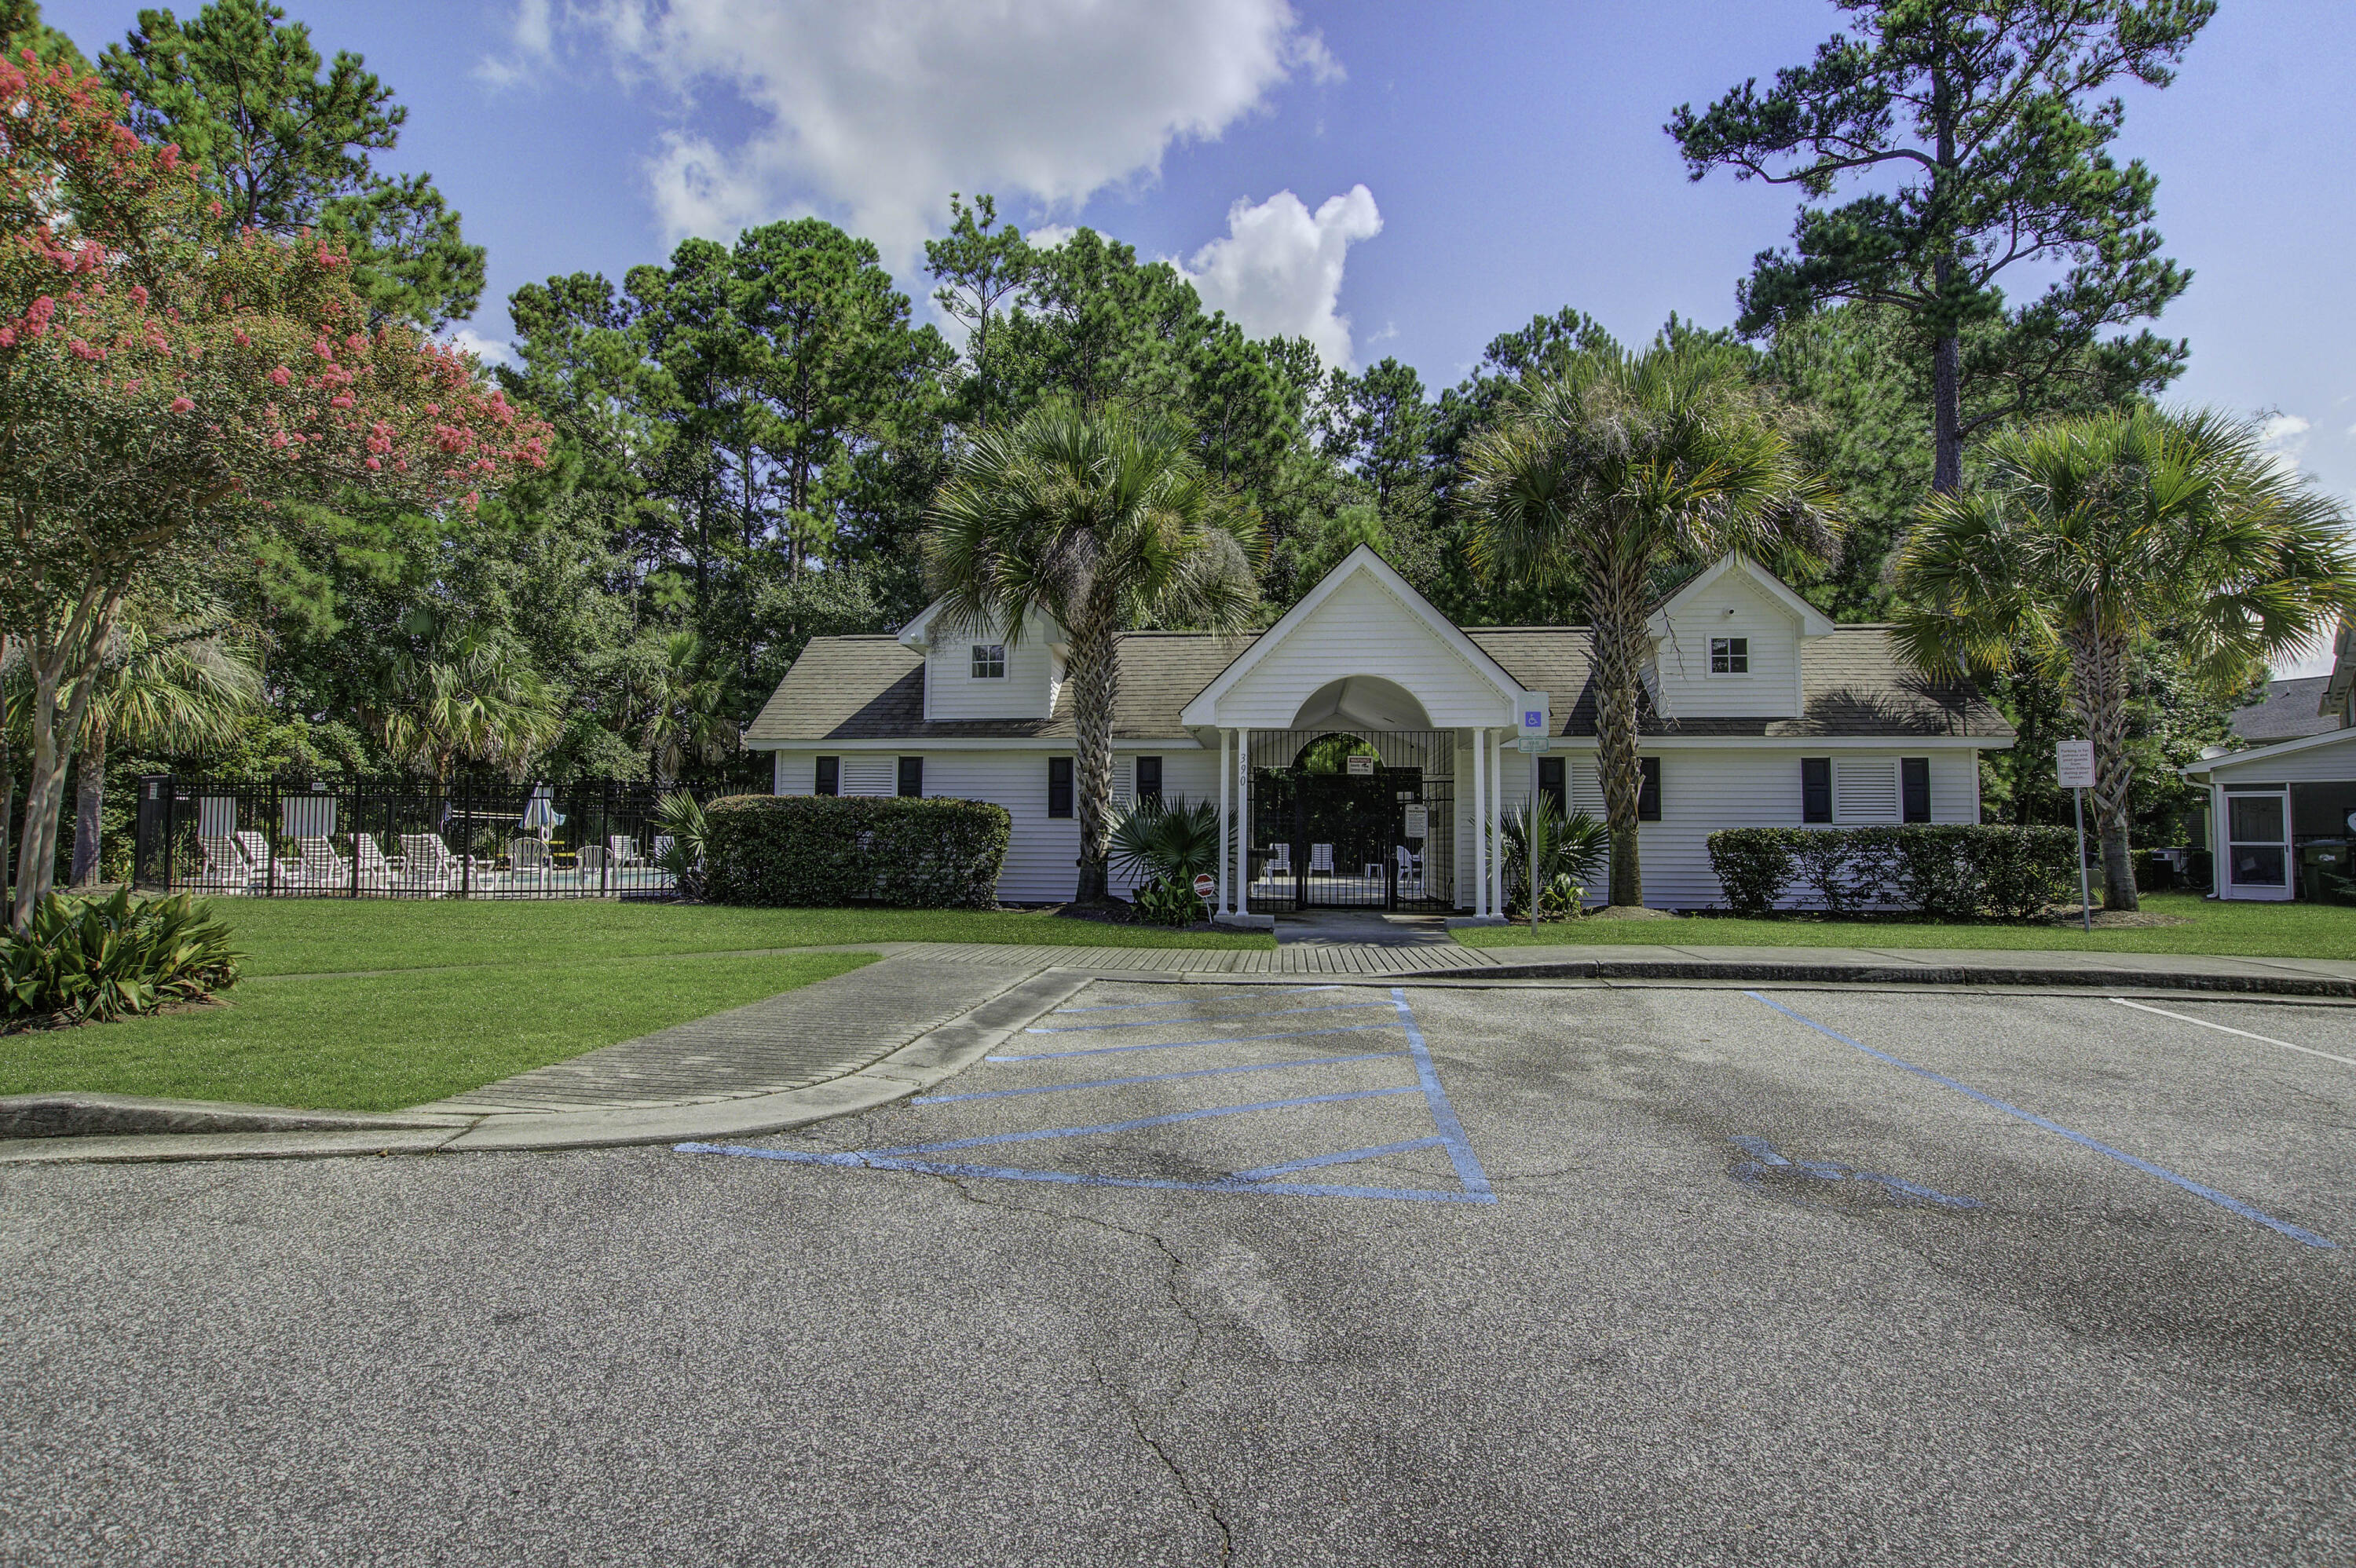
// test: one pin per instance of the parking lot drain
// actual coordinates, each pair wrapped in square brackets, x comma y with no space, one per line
[2222,1200]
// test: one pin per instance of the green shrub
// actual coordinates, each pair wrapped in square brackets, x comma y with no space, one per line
[93,959]
[1573,849]
[1167,901]
[1169,839]
[1753,865]
[1949,871]
[824,852]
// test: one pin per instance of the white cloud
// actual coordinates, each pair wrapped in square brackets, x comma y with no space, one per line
[489,350]
[880,109]
[1278,270]
[533,33]
[2284,436]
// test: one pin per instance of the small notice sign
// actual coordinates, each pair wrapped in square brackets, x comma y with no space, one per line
[1419,822]
[1362,767]
[2074,761]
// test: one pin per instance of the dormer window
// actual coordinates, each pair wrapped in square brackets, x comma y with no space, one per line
[990,661]
[1729,655]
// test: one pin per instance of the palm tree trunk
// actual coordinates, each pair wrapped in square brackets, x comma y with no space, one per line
[1617,642]
[1096,688]
[2098,671]
[90,800]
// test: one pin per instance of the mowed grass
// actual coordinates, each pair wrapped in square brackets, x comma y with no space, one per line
[2210,926]
[382,1043]
[313,936]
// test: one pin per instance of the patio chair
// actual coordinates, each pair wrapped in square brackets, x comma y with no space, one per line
[257,858]
[1279,858]
[1321,859]
[530,858]
[659,848]
[427,866]
[378,871]
[225,868]
[318,866]
[625,851]
[1410,872]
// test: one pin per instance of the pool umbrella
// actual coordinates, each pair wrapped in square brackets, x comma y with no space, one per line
[539,813]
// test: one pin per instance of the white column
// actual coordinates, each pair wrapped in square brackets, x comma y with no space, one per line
[1497,825]
[1480,823]
[1227,822]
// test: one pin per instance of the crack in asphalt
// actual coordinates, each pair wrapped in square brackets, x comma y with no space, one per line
[1140,1416]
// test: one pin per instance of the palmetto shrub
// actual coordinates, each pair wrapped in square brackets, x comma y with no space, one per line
[84,960]
[1169,839]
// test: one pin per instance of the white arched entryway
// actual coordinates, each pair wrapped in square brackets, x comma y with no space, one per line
[1363,653]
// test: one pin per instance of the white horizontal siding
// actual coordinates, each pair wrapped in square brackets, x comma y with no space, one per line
[1025,691]
[1731,607]
[1363,629]
[2332,763]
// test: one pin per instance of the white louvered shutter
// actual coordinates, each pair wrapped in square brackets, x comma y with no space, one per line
[1865,789]
[871,775]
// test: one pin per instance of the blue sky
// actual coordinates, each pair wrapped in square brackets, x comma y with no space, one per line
[1510,154]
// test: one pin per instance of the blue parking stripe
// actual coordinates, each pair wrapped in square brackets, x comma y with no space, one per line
[2233,1205]
[1073,1178]
[1443,1115]
[1182,1044]
[1171,1119]
[1233,1018]
[1346,1157]
[1154,1078]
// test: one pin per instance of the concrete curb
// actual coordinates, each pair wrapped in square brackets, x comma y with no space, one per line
[1951,974]
[912,1067]
[72,1115]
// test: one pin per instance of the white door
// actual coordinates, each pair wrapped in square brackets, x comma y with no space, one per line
[2257,845]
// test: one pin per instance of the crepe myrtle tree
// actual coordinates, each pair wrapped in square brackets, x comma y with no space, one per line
[179,401]
[1097,521]
[1617,471]
[2084,538]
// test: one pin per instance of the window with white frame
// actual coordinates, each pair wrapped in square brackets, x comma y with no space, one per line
[1729,655]
[990,661]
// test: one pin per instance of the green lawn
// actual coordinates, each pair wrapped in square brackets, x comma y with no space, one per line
[380,1042]
[2246,930]
[292,936]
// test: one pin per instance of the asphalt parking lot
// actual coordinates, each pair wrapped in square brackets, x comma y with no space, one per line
[1273,1274]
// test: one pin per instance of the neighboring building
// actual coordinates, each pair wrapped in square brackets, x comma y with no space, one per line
[2289,800]
[1761,712]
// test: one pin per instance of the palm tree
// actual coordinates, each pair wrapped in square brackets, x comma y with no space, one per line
[1621,469]
[1097,521]
[161,688]
[469,697]
[2086,536]
[686,722]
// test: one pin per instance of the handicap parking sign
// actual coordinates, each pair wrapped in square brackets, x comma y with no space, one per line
[1534,707]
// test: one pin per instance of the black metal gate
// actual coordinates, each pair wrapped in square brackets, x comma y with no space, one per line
[1364,831]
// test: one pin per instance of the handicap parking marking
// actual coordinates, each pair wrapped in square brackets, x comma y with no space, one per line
[2228,1029]
[1448,1134]
[2198,1190]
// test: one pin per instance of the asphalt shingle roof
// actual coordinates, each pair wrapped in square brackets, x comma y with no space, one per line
[872,688]
[2289,713]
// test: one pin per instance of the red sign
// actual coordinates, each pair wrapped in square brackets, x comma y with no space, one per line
[1205,885]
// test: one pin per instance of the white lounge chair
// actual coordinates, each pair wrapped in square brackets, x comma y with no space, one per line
[378,872]
[226,868]
[625,851]
[427,865]
[257,858]
[1321,859]
[318,866]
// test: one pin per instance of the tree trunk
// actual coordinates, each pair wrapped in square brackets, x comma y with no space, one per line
[54,665]
[1617,640]
[1095,688]
[2099,672]
[90,800]
[1946,411]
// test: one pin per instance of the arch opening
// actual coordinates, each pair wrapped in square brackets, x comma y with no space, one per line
[1362,702]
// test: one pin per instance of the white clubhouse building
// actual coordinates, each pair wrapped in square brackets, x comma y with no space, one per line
[1361,749]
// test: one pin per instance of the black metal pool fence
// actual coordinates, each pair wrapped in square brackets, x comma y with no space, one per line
[399,839]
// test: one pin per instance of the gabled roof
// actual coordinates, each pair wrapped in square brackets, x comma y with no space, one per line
[1203,710]
[1813,622]
[2291,710]
[2268,754]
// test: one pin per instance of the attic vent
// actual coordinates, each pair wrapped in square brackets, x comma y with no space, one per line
[1865,789]
[870,775]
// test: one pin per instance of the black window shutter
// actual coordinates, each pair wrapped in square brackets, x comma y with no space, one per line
[830,775]
[1550,783]
[1914,782]
[911,776]
[1059,786]
[1816,789]
[1648,795]
[1148,778]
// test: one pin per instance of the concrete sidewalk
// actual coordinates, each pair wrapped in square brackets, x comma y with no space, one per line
[899,1026]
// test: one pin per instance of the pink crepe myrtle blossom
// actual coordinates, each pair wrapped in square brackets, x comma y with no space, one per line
[280,377]
[182,405]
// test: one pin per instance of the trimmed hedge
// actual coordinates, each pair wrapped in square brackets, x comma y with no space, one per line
[823,851]
[1952,872]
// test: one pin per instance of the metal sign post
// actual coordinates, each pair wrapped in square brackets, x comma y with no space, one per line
[1536,737]
[2073,762]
